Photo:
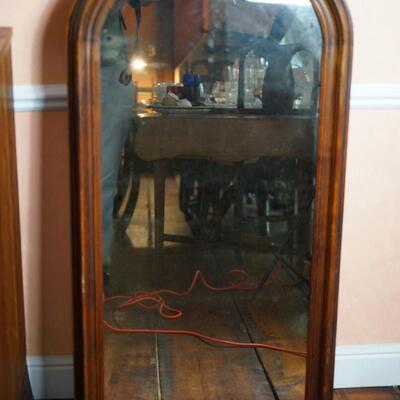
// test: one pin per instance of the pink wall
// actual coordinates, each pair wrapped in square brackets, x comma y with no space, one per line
[370,268]
[39,38]
[376,46]
[42,151]
[39,57]
[368,311]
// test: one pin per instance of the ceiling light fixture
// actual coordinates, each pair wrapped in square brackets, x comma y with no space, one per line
[138,64]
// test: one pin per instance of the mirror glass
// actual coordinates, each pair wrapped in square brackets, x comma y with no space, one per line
[209,116]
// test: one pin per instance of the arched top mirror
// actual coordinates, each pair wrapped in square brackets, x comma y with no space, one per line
[208,154]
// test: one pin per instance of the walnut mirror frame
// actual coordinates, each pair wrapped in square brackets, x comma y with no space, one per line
[84,101]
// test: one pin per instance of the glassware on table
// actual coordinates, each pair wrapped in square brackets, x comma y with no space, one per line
[160,90]
[254,73]
[231,92]
[225,92]
[218,92]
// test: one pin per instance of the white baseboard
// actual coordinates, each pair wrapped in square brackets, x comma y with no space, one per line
[54,97]
[356,366]
[367,366]
[52,377]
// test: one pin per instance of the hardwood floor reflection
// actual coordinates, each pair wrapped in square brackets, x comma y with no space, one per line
[155,367]
[179,367]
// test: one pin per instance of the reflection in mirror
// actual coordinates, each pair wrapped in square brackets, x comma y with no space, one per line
[209,115]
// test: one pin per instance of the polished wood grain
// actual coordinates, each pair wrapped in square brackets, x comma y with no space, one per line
[13,371]
[336,27]
[84,63]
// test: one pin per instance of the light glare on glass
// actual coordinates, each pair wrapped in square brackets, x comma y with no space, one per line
[138,64]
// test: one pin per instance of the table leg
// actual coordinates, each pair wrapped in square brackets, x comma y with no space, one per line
[238,217]
[159,209]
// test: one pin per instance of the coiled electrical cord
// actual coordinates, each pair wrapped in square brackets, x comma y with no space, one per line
[155,300]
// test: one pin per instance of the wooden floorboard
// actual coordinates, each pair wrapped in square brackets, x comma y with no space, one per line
[159,367]
[286,371]
[131,367]
[178,368]
[368,394]
[276,316]
[189,368]
[131,364]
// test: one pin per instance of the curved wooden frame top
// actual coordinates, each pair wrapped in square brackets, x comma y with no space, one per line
[84,94]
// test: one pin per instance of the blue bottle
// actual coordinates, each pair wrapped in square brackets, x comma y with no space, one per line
[188,87]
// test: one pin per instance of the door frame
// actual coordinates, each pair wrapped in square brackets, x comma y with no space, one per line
[84,104]
[14,380]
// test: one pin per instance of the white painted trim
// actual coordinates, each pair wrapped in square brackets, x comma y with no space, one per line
[356,366]
[40,97]
[367,366]
[54,97]
[52,377]
[375,96]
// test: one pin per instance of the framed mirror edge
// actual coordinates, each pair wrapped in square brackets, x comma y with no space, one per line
[84,109]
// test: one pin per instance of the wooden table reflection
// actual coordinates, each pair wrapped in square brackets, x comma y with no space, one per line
[227,138]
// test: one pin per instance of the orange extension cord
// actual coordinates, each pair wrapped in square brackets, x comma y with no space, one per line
[168,312]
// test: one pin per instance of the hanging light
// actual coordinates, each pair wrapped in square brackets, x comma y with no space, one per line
[138,64]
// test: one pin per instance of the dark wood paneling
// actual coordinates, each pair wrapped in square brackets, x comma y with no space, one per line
[188,20]
[13,372]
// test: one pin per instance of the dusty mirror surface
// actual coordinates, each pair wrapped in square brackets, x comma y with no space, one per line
[209,115]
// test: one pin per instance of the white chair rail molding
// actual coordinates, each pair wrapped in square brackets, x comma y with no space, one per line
[55,97]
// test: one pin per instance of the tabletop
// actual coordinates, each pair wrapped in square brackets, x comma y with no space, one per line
[226,138]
